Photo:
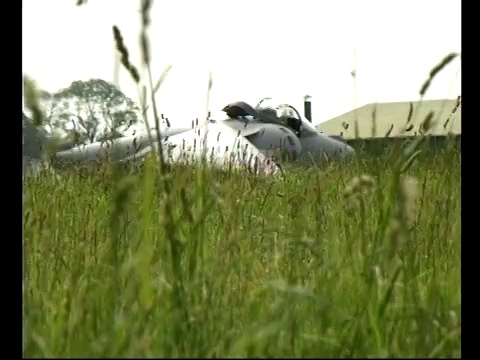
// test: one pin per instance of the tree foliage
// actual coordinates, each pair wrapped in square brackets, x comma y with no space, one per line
[88,111]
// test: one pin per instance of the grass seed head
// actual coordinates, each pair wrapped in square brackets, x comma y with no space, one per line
[409,192]
[124,56]
[358,188]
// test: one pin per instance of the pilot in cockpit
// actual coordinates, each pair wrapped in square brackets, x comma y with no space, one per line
[285,115]
[291,118]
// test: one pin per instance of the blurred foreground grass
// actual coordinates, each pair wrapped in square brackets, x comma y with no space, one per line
[346,261]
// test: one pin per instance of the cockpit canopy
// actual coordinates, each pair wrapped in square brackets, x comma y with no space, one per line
[282,114]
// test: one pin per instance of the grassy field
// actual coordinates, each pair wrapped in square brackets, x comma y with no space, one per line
[359,259]
[352,260]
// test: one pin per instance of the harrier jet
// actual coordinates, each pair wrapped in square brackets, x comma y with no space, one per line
[250,138]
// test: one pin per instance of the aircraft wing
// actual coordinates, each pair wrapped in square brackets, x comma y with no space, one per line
[220,146]
[116,150]
[247,127]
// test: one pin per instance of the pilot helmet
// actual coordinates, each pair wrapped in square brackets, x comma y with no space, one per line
[290,117]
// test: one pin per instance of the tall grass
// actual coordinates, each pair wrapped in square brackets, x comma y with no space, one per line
[345,262]
[351,260]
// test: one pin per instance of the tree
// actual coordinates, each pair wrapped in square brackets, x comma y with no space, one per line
[92,110]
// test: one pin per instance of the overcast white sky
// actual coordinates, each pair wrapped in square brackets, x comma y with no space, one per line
[277,48]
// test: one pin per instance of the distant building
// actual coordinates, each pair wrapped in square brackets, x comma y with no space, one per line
[391,118]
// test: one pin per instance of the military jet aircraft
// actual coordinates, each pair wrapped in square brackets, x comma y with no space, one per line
[249,138]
